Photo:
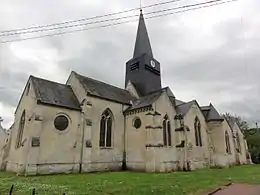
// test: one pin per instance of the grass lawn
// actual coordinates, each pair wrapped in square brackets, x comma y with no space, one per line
[125,183]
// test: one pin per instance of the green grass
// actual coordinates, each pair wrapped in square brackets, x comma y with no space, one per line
[126,183]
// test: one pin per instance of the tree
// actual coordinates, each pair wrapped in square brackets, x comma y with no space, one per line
[243,125]
[253,142]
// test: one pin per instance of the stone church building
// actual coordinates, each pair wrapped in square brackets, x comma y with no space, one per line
[86,125]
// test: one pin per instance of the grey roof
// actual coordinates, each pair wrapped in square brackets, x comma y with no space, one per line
[172,99]
[179,102]
[184,108]
[176,102]
[210,113]
[146,101]
[52,93]
[142,43]
[104,90]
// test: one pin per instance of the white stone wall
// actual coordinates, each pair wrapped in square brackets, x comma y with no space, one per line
[104,158]
[17,156]
[217,133]
[59,151]
[144,152]
[199,156]
[240,155]
[3,143]
[96,158]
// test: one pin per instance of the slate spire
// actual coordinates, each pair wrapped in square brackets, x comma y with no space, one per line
[142,43]
[143,71]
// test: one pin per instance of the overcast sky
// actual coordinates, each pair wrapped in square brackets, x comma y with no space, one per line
[211,54]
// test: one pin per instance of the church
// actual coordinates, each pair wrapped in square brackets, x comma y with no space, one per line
[86,125]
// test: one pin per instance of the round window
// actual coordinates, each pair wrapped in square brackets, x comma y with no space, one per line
[137,123]
[61,122]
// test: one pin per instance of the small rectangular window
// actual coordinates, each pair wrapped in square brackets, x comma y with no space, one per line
[35,141]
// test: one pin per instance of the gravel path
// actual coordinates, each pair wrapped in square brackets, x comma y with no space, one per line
[238,189]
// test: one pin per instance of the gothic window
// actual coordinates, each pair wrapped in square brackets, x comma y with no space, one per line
[167,138]
[228,149]
[197,128]
[238,143]
[106,124]
[20,130]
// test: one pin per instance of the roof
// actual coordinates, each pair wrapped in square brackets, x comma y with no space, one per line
[210,113]
[175,102]
[172,99]
[184,108]
[179,102]
[52,93]
[105,91]
[142,43]
[147,100]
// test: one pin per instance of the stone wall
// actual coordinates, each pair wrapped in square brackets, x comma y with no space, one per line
[217,131]
[199,156]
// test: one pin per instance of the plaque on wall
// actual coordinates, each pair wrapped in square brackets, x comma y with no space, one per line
[35,141]
[88,144]
[88,122]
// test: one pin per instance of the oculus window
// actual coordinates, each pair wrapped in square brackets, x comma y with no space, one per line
[137,123]
[61,122]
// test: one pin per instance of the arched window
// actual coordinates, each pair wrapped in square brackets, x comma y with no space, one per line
[20,130]
[228,149]
[167,138]
[106,123]
[238,143]
[197,129]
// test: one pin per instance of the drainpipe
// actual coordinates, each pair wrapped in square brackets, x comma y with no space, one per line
[124,151]
[185,149]
[82,140]
[185,144]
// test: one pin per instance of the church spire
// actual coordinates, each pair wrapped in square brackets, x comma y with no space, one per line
[142,43]
[143,71]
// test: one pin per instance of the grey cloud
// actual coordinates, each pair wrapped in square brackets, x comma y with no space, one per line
[104,58]
[12,76]
[11,86]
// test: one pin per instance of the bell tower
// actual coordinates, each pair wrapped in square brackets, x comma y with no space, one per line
[143,70]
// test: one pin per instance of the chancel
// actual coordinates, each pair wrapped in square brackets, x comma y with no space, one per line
[86,125]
